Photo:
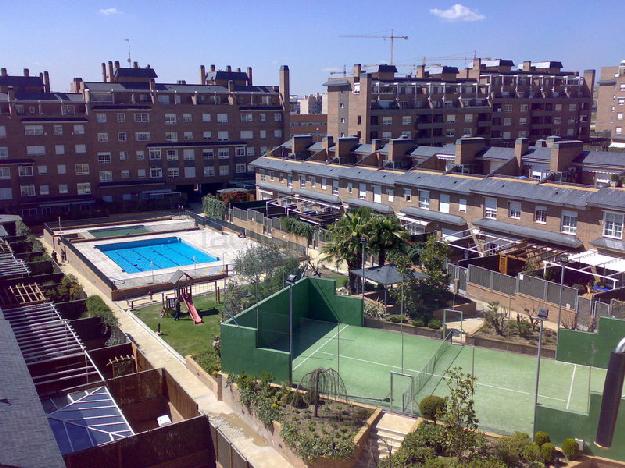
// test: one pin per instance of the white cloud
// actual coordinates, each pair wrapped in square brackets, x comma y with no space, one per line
[457,12]
[109,11]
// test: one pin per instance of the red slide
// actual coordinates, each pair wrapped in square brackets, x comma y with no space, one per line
[192,310]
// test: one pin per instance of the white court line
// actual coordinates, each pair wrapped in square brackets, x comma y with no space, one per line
[568,400]
[480,384]
[320,347]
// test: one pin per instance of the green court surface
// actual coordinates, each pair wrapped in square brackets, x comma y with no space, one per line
[122,231]
[504,396]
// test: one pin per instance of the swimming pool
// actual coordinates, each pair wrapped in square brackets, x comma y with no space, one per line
[154,254]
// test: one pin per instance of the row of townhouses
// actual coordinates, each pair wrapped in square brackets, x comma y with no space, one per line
[553,192]
[129,138]
[438,104]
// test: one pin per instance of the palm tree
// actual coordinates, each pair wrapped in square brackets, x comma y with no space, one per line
[345,245]
[385,234]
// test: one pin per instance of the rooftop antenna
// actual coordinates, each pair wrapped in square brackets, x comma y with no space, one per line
[129,60]
[390,37]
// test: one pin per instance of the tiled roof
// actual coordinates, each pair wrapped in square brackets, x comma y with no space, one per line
[529,232]
[125,72]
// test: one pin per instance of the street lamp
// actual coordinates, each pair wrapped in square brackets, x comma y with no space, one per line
[542,316]
[291,280]
[562,260]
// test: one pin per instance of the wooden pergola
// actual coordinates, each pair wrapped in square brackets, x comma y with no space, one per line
[20,294]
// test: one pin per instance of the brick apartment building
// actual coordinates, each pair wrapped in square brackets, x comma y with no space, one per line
[611,104]
[553,193]
[129,140]
[439,104]
[309,124]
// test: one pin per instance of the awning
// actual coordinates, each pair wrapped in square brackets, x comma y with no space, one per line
[610,244]
[595,259]
[274,187]
[379,207]
[386,275]
[529,233]
[324,197]
[445,218]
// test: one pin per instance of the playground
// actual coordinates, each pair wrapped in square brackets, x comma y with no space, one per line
[394,370]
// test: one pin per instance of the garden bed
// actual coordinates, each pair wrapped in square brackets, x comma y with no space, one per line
[509,344]
[407,327]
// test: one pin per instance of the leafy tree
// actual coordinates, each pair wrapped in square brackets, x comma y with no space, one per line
[433,259]
[385,234]
[69,289]
[345,245]
[213,207]
[460,419]
[496,319]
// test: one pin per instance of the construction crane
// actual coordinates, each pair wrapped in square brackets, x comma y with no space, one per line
[390,37]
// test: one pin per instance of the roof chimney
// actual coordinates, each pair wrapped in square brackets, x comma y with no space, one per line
[228,68]
[76,85]
[116,64]
[103,72]
[527,65]
[3,71]
[468,148]
[110,74]
[135,64]
[213,67]
[46,81]
[202,75]
[238,69]
[26,72]
[420,71]
[231,86]
[249,76]
[521,146]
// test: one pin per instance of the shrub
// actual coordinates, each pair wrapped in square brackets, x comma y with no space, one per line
[541,438]
[297,227]
[418,322]
[297,400]
[570,448]
[213,207]
[427,435]
[531,453]
[434,324]
[432,406]
[511,449]
[96,307]
[548,452]
[209,361]
[397,318]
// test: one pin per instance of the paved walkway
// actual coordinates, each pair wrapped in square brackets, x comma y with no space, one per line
[245,440]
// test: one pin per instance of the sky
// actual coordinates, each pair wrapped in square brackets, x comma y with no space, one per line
[71,38]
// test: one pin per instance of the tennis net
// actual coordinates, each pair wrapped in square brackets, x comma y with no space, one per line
[426,373]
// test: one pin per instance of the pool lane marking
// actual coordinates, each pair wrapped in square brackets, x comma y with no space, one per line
[321,346]
[496,387]
[568,400]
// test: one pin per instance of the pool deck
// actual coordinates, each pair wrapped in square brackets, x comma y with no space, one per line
[225,246]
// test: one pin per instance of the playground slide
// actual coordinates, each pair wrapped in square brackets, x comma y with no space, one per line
[192,310]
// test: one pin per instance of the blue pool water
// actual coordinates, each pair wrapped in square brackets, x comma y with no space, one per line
[149,254]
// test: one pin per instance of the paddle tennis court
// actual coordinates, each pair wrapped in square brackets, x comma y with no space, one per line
[370,363]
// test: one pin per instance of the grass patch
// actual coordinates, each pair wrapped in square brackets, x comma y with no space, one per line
[184,336]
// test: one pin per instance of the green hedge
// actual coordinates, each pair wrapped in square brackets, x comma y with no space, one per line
[297,227]
[213,207]
[96,307]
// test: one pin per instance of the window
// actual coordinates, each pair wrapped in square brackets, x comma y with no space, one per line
[35,150]
[424,199]
[81,169]
[507,107]
[540,214]
[302,181]
[324,183]
[263,134]
[468,117]
[490,208]
[122,136]
[154,154]
[222,118]
[619,116]
[27,190]
[384,135]
[139,155]
[5,172]
[387,120]
[121,117]
[407,194]
[106,176]
[33,130]
[44,189]
[525,107]
[207,135]
[450,132]
[187,136]
[224,170]
[25,171]
[42,170]
[59,149]
[514,209]
[104,158]
[163,98]
[335,187]
[141,172]
[247,117]
[188,154]
[208,153]
[250,151]
[172,154]
[103,137]
[4,152]
[507,121]
[619,130]
[79,129]
[171,136]
[187,118]
[507,135]
[247,134]
[125,174]
[558,107]
[60,169]
[100,117]
[569,222]
[209,171]
[613,225]
[444,203]
[277,117]
[58,129]
[173,172]
[63,188]
[312,179]
[142,136]
[406,120]
[523,121]
[467,131]
[277,133]
[223,136]
[223,153]
[240,168]
[263,117]
[6,194]
[206,117]
[462,205]
[451,118]
[142,117]
[83,188]
[170,119]
[391,194]
[572,107]
[80,149]
[156,172]
[239,151]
